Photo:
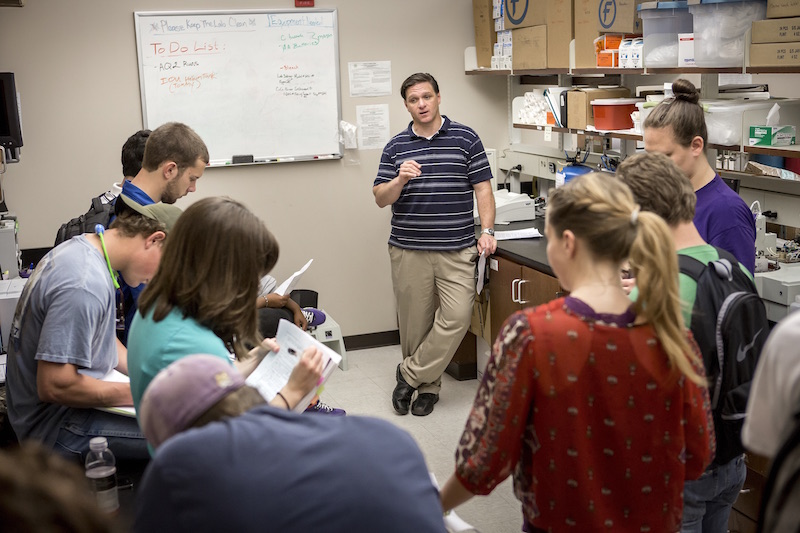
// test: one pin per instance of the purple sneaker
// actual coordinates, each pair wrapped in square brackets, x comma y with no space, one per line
[325,409]
[314,317]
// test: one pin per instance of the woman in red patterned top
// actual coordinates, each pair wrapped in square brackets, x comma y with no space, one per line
[597,406]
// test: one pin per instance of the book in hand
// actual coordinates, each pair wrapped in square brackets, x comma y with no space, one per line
[272,374]
[118,377]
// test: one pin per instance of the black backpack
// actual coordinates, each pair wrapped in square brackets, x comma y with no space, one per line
[98,213]
[780,500]
[729,323]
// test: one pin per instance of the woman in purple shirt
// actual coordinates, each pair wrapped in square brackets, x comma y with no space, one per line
[677,128]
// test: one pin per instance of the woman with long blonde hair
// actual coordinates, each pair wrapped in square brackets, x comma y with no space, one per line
[595,405]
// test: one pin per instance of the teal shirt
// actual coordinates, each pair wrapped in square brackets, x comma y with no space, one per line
[152,346]
[686,285]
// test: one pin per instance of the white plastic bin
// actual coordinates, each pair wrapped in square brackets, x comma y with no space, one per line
[724,118]
[719,30]
[662,22]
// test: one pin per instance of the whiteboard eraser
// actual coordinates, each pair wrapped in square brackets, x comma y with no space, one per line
[242,159]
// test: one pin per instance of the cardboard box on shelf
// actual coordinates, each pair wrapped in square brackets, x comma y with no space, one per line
[524,14]
[772,135]
[608,59]
[783,8]
[776,31]
[620,16]
[775,55]
[559,32]
[529,48]
[579,107]
[609,41]
[585,31]
[485,36]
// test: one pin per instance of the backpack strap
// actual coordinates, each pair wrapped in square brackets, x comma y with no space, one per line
[694,268]
[97,203]
[690,266]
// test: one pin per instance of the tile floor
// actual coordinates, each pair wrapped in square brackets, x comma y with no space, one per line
[366,388]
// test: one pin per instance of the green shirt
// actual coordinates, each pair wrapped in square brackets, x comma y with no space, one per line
[686,285]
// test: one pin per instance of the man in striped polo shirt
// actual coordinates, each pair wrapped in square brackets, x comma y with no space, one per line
[427,174]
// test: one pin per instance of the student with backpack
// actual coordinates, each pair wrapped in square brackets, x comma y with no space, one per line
[174,158]
[101,211]
[728,321]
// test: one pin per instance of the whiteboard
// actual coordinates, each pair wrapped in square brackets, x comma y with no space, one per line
[262,84]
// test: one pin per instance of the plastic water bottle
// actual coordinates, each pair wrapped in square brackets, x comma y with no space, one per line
[101,471]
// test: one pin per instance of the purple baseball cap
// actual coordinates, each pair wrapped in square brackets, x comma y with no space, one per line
[182,392]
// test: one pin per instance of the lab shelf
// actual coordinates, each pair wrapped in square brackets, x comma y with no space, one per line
[628,135]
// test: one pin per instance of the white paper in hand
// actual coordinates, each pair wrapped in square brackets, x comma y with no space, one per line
[288,286]
[272,374]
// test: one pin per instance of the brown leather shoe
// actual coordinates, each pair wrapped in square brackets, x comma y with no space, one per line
[401,396]
[423,405]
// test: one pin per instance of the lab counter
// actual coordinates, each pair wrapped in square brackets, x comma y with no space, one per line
[531,253]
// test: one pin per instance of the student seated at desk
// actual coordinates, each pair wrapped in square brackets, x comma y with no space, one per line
[201,299]
[226,461]
[63,336]
[273,307]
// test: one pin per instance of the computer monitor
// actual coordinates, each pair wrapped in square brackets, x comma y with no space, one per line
[10,128]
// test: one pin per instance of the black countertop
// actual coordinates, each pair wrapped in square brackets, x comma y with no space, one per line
[527,252]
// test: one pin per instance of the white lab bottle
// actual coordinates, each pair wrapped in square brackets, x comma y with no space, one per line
[101,471]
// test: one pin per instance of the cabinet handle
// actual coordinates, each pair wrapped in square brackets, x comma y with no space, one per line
[745,491]
[519,291]
[514,283]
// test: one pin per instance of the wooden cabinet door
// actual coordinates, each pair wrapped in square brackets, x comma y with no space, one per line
[508,274]
[538,288]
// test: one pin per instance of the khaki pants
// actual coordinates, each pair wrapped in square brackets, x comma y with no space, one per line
[432,328]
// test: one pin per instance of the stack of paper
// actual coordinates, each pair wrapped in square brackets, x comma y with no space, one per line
[272,374]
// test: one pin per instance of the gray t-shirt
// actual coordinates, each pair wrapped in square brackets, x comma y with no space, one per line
[65,315]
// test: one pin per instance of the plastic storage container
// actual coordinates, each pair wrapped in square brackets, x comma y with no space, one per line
[719,30]
[614,113]
[662,22]
[724,118]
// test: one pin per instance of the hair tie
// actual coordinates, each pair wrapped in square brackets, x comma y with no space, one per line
[634,215]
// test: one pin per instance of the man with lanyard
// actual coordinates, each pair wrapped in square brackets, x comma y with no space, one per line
[62,340]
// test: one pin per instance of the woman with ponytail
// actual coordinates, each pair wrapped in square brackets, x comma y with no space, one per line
[677,128]
[596,405]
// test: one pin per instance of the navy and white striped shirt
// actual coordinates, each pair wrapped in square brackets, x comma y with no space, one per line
[435,210]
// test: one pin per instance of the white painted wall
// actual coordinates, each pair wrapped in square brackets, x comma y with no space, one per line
[76,70]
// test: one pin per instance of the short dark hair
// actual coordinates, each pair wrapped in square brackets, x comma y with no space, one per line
[414,79]
[133,153]
[176,142]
